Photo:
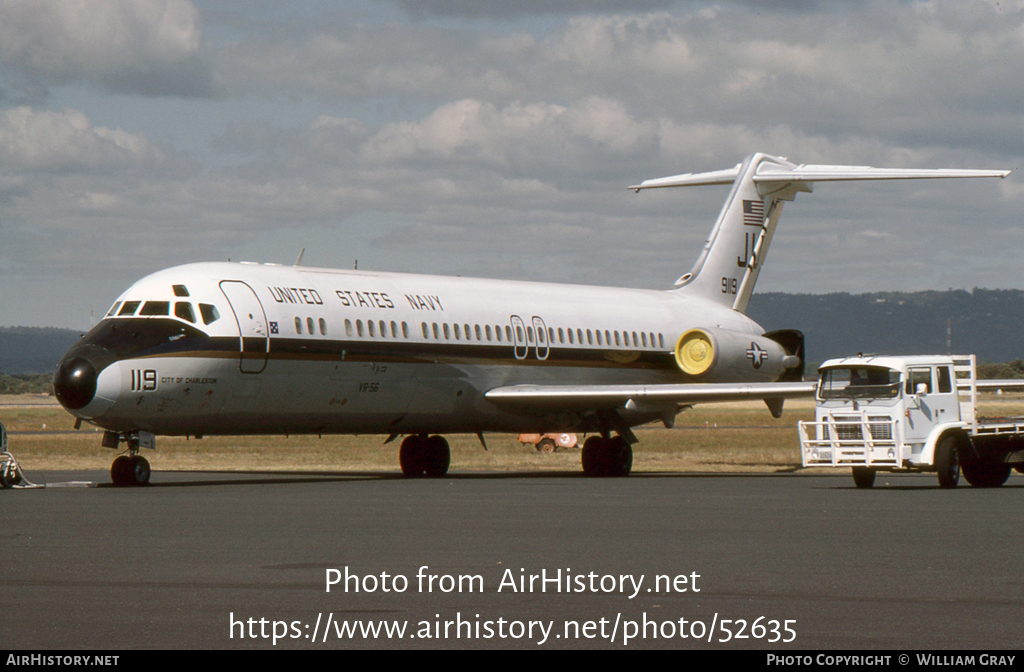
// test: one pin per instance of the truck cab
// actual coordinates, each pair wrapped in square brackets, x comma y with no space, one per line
[912,413]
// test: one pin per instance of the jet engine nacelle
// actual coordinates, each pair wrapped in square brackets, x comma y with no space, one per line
[733,355]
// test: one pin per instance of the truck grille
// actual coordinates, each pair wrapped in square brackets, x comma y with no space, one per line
[851,430]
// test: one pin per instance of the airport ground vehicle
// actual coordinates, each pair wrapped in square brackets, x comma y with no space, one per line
[915,413]
[550,442]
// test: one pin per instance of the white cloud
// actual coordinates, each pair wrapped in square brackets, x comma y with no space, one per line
[152,47]
[52,142]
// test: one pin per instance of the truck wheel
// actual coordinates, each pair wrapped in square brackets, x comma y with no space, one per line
[863,477]
[947,464]
[985,474]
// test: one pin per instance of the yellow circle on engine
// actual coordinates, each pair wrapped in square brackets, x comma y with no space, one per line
[695,352]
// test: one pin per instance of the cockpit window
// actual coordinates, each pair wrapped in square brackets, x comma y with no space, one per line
[129,308]
[183,309]
[210,313]
[113,309]
[156,308]
[180,290]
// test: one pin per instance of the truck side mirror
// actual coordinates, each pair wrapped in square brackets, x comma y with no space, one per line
[922,389]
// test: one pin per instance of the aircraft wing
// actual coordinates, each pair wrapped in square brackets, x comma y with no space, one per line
[1004,384]
[618,396]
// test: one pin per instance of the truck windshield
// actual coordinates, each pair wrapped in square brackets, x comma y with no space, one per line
[849,382]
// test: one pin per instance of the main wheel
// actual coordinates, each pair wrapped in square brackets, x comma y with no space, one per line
[437,457]
[947,463]
[119,470]
[546,446]
[592,456]
[863,477]
[619,457]
[412,456]
[982,474]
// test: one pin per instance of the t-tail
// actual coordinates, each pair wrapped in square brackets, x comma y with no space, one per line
[734,253]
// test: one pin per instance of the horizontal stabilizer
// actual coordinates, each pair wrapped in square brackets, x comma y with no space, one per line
[617,396]
[768,172]
[727,176]
[779,172]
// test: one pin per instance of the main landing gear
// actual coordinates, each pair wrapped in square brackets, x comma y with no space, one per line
[421,455]
[130,469]
[606,456]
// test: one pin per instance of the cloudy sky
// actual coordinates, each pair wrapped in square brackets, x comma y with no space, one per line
[496,139]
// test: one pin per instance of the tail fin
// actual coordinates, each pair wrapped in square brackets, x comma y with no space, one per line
[731,260]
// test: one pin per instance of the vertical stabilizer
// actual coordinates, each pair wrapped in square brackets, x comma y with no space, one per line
[734,253]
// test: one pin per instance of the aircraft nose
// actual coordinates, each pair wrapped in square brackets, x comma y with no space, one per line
[74,382]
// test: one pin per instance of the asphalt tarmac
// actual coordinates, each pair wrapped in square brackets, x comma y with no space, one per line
[741,559]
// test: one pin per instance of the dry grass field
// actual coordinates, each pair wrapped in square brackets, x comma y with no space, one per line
[740,437]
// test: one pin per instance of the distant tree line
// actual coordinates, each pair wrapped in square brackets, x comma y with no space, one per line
[26,383]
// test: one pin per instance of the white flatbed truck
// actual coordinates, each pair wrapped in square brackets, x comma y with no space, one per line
[910,414]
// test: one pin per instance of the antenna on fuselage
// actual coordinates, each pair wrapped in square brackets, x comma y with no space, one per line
[298,259]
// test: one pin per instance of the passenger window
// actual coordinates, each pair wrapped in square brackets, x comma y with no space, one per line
[113,309]
[437,332]
[661,340]
[457,330]
[598,337]
[155,308]
[323,327]
[298,325]
[945,382]
[643,337]
[369,327]
[447,332]
[405,330]
[424,325]
[570,337]
[487,331]
[183,309]
[590,340]
[394,329]
[479,335]
[519,334]
[617,339]
[636,341]
[348,327]
[129,308]
[210,313]
[309,326]
[359,328]
[467,332]
[508,334]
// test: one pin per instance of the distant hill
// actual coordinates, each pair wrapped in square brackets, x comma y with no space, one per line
[25,350]
[985,322]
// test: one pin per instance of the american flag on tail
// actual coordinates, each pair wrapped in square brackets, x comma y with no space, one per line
[753,213]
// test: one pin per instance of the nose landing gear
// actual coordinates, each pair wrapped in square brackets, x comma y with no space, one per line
[130,469]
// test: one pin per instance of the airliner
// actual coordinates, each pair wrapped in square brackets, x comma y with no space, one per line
[262,348]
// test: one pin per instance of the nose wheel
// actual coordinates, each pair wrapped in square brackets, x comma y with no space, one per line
[131,469]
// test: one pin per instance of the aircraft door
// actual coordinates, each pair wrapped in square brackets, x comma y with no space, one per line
[253,338]
[522,348]
[542,337]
